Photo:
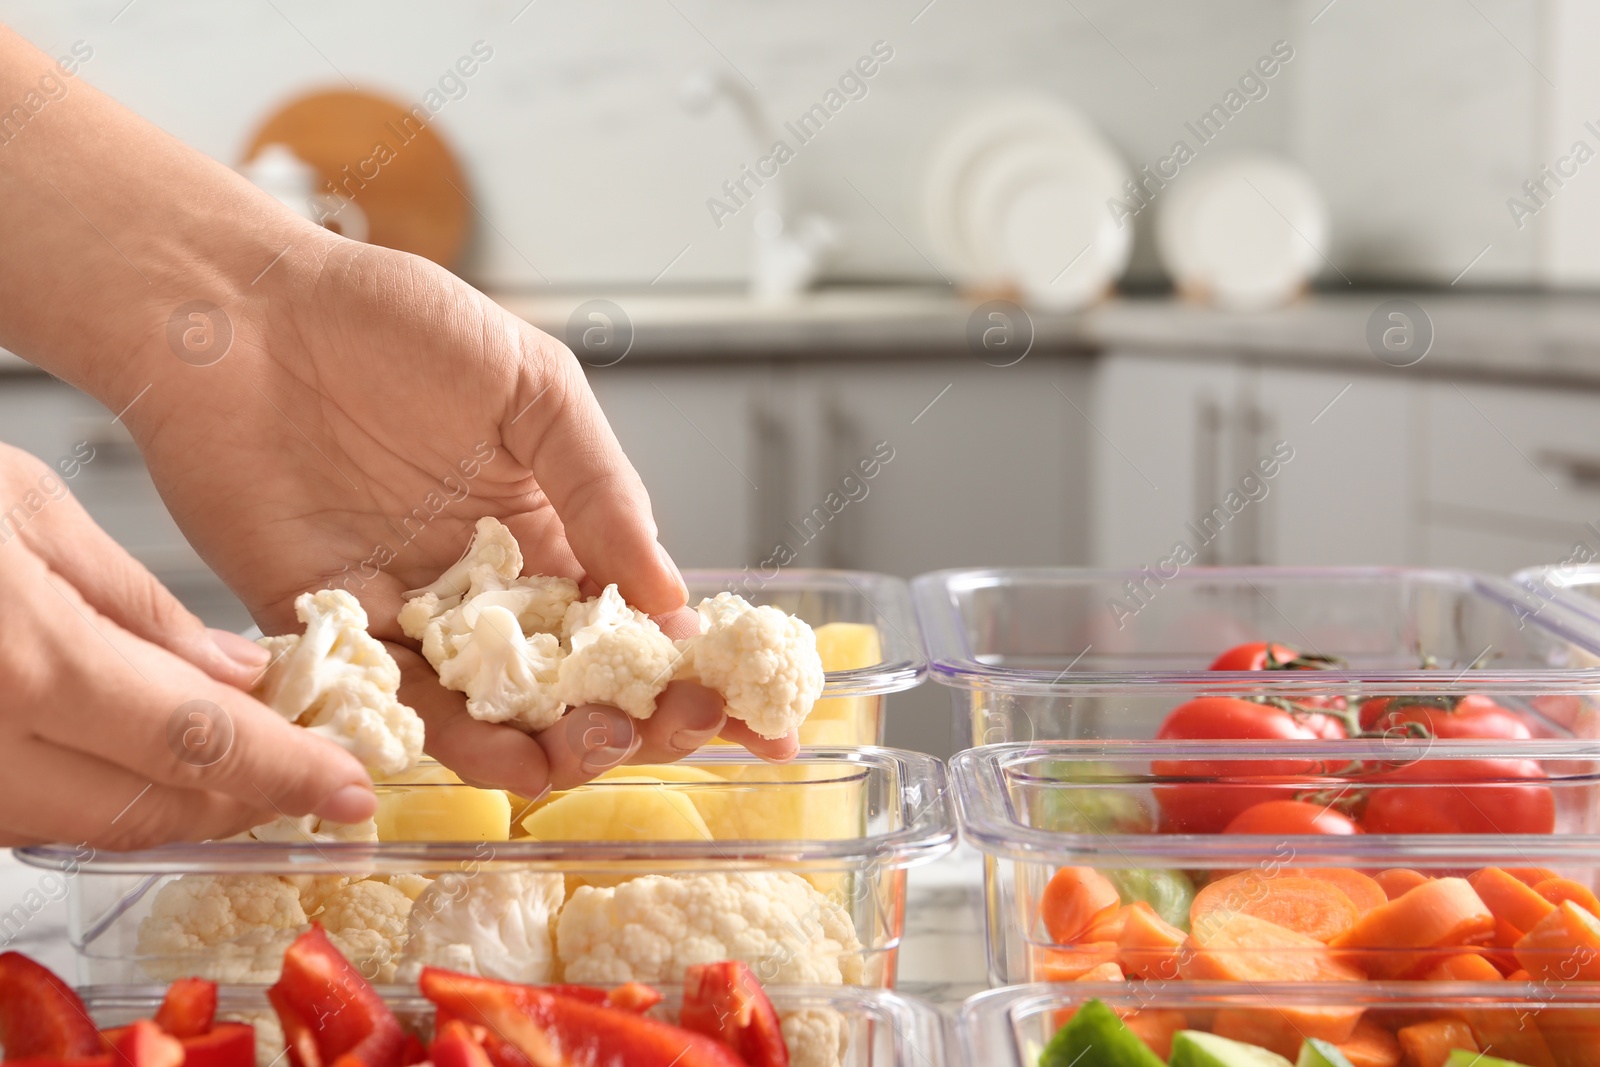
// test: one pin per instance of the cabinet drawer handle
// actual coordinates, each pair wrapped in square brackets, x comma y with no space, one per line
[1581,471]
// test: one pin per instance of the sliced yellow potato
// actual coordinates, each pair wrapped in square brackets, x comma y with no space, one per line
[443,813]
[626,808]
[848,646]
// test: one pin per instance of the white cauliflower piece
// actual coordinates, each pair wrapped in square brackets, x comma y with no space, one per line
[367,921]
[817,1037]
[763,661]
[506,675]
[411,885]
[650,929]
[493,923]
[493,550]
[294,830]
[229,928]
[341,683]
[616,655]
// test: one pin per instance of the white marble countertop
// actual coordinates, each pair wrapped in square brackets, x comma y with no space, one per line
[941,957]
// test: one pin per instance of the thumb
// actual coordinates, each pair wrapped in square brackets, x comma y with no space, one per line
[556,429]
[119,587]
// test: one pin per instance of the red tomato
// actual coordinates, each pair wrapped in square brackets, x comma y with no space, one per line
[1261,656]
[1481,797]
[1470,716]
[1203,808]
[1285,817]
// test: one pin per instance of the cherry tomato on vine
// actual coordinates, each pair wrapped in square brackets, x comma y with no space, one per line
[1446,717]
[1204,808]
[1474,797]
[1286,817]
[1268,656]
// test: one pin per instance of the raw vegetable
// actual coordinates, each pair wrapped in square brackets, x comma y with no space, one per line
[1364,892]
[1555,890]
[1483,797]
[142,1044]
[331,1015]
[1095,1037]
[40,1015]
[1319,1053]
[1510,898]
[1280,818]
[1439,913]
[1432,1043]
[443,811]
[1464,1058]
[626,808]
[724,1000]
[1234,947]
[1168,893]
[1371,1046]
[1398,881]
[1148,945]
[1444,717]
[1073,900]
[762,661]
[1309,906]
[1196,1048]
[1564,946]
[493,923]
[1064,809]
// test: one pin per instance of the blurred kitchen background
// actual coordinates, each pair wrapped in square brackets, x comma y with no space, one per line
[1371,268]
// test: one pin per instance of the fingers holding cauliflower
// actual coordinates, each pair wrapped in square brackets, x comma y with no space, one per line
[524,649]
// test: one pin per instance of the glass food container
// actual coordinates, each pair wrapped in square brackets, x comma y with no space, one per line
[812,854]
[1575,586]
[1109,859]
[880,1028]
[1063,653]
[866,631]
[1526,1024]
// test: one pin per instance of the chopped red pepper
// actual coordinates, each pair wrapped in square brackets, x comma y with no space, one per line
[40,1016]
[144,1045]
[554,1031]
[226,1045]
[455,1045]
[413,1052]
[189,1008]
[726,1001]
[331,1015]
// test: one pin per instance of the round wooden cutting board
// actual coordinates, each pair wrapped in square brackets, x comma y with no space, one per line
[387,159]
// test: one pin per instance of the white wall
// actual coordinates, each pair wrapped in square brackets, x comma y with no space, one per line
[1417,119]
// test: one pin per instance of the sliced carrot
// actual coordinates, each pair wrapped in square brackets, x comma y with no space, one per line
[1430,1044]
[1149,944]
[1555,890]
[1464,967]
[1370,1046]
[1398,881]
[1074,900]
[1235,947]
[1572,1037]
[1268,1029]
[1070,964]
[1441,913]
[1506,935]
[1105,972]
[1512,1034]
[1108,927]
[1364,892]
[1563,947]
[1315,908]
[1510,898]
[1155,1027]
[1519,976]
[1531,876]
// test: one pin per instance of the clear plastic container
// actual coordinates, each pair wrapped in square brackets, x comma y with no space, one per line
[1529,1024]
[1054,653]
[880,1028]
[1573,586]
[838,826]
[1034,809]
[874,628]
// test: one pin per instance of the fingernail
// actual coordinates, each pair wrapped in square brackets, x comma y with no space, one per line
[242,650]
[690,740]
[350,803]
[666,561]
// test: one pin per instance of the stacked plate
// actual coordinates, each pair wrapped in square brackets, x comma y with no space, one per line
[1016,198]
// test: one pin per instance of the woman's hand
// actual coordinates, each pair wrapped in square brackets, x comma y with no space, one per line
[369,408]
[123,724]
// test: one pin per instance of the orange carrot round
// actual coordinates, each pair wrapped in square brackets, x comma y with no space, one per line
[1075,898]
[1309,906]
[1398,881]
[1555,890]
[1149,944]
[1364,892]
[1510,899]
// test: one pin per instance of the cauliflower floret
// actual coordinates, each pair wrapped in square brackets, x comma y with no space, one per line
[411,885]
[507,676]
[269,1033]
[649,929]
[294,830]
[315,889]
[616,655]
[493,923]
[816,1037]
[340,682]
[764,663]
[492,548]
[366,920]
[231,928]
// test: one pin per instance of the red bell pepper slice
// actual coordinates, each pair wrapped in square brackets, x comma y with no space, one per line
[227,1045]
[331,1015]
[726,1001]
[455,1045]
[555,1031]
[189,1008]
[144,1045]
[413,1052]
[40,1016]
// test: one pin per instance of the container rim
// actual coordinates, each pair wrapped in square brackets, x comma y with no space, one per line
[904,664]
[952,661]
[926,831]
[1556,583]
[990,822]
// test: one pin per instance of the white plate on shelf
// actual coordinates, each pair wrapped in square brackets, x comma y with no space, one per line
[1016,196]
[1244,233]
